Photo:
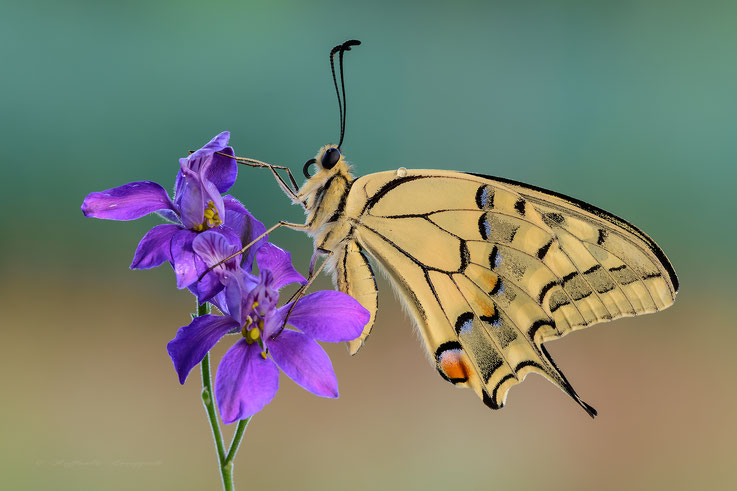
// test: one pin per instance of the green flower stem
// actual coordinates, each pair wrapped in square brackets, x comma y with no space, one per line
[207,400]
[235,443]
[225,461]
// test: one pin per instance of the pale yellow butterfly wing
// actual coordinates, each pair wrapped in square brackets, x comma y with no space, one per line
[490,269]
[353,275]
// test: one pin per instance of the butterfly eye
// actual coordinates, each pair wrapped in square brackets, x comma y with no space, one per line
[330,158]
[306,168]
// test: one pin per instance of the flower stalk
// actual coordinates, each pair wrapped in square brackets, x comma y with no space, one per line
[225,461]
[236,442]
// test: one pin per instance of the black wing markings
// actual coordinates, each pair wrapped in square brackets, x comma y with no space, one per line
[539,350]
[503,279]
[605,215]
[519,205]
[594,210]
[489,337]
[406,286]
[544,250]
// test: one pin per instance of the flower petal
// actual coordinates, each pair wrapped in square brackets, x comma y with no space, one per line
[170,216]
[230,300]
[127,202]
[328,316]
[209,286]
[245,382]
[193,341]
[262,293]
[305,362]
[221,170]
[212,194]
[183,258]
[190,197]
[234,297]
[218,169]
[154,247]
[213,246]
[279,262]
[218,142]
[245,226]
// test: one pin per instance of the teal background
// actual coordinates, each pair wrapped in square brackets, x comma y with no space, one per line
[628,105]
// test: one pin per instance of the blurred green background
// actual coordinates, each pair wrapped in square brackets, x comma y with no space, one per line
[631,106]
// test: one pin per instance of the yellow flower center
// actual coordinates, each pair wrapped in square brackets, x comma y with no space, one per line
[252,331]
[212,218]
[253,335]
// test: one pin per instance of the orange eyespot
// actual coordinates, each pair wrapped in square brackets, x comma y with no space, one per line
[454,365]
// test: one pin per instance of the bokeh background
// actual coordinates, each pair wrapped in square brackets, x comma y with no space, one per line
[628,105]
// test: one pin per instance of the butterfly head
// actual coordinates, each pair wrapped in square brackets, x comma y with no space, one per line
[328,161]
[326,188]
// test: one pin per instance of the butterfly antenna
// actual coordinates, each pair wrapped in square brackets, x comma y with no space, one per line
[342,105]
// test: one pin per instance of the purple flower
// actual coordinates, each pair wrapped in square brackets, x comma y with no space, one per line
[198,206]
[248,376]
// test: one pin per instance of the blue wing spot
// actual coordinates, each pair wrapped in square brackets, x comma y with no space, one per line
[464,323]
[485,197]
[494,258]
[484,227]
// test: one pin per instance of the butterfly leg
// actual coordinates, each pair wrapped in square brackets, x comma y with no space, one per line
[313,261]
[353,276]
[311,275]
[286,189]
[303,289]
[293,226]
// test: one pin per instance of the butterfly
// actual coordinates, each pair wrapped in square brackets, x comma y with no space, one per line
[488,268]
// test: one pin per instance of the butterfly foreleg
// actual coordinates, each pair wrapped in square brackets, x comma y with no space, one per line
[292,193]
[286,189]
